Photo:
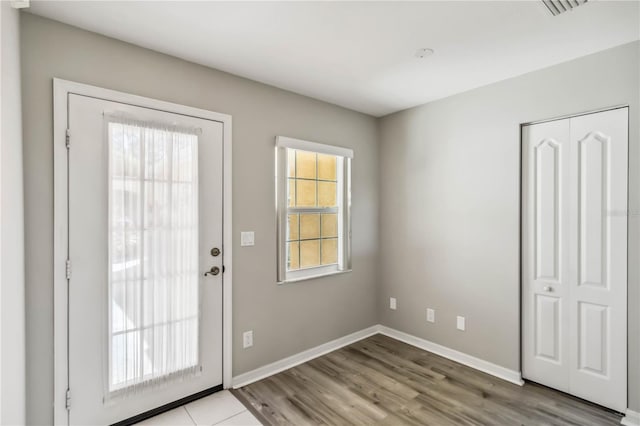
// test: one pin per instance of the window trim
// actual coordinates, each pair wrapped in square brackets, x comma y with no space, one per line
[344,209]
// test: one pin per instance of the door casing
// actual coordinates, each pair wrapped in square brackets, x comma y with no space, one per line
[520,210]
[61,91]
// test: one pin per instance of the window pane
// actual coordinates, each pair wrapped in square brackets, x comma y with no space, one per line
[293,256]
[153,250]
[305,165]
[292,228]
[327,167]
[329,225]
[330,251]
[291,162]
[125,361]
[309,253]
[306,193]
[327,194]
[125,150]
[291,190]
[309,226]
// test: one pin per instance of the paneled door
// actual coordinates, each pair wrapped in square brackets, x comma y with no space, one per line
[145,224]
[545,253]
[574,255]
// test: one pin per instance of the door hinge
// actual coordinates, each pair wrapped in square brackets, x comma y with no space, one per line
[68,268]
[67,400]
[68,138]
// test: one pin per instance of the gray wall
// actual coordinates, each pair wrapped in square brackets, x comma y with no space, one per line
[285,319]
[447,174]
[12,306]
[450,204]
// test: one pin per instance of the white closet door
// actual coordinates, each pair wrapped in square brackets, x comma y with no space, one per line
[599,258]
[574,256]
[545,250]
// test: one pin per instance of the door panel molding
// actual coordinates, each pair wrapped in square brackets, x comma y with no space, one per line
[61,90]
[547,193]
[594,347]
[547,326]
[593,178]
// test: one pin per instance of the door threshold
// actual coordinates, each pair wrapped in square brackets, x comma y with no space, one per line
[168,407]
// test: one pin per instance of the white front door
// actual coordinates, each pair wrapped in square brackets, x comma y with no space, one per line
[574,255]
[145,215]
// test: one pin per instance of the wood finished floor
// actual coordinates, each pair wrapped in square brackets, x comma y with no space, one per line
[382,381]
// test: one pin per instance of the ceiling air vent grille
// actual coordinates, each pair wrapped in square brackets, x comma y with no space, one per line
[556,7]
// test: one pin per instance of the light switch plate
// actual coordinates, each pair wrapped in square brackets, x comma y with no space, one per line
[392,303]
[431,315]
[460,323]
[247,239]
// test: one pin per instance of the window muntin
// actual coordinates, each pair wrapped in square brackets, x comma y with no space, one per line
[313,209]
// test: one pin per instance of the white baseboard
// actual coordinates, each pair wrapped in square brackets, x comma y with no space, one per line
[302,357]
[631,418]
[460,357]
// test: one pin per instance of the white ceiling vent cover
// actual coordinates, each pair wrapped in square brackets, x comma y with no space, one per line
[556,7]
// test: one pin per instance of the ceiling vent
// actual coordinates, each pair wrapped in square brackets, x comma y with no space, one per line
[556,7]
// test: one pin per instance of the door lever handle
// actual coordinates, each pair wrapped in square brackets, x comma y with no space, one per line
[548,288]
[214,271]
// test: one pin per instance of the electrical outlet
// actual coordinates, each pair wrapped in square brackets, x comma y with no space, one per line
[247,339]
[460,323]
[392,303]
[431,315]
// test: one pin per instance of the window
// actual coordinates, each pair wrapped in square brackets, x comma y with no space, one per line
[313,184]
[153,253]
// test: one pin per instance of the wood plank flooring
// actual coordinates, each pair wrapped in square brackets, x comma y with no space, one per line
[381,381]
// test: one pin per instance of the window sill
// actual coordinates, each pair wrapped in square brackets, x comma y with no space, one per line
[312,277]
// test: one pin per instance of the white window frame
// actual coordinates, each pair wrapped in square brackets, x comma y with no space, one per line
[343,170]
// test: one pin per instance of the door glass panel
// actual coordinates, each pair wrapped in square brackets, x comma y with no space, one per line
[154,293]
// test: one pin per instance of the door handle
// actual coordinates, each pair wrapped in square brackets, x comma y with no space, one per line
[214,271]
[548,288]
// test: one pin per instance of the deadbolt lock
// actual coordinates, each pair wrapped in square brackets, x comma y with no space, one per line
[215,251]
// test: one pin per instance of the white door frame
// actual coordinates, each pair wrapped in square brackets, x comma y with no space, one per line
[61,91]
[520,239]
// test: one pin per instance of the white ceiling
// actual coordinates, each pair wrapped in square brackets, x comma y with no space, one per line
[361,54]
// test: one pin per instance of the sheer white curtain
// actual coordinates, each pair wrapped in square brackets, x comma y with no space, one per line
[153,322]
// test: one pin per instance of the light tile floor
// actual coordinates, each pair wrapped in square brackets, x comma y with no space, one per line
[221,408]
